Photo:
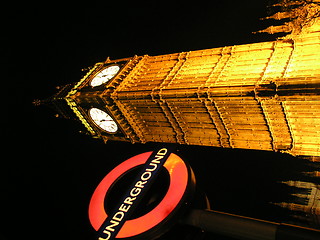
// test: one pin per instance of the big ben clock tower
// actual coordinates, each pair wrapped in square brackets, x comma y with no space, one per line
[92,103]
[261,96]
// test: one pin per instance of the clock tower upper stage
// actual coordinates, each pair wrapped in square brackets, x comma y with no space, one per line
[91,101]
[256,96]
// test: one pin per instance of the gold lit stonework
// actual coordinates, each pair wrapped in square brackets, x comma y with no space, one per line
[261,96]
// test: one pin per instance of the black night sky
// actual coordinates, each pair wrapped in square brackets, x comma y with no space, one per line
[49,169]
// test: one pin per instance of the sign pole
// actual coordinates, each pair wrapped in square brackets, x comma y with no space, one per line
[246,228]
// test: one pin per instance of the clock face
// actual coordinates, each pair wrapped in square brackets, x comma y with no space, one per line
[105,75]
[103,120]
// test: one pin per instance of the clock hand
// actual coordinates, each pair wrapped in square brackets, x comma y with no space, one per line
[105,120]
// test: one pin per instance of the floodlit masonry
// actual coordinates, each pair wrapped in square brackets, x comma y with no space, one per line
[262,96]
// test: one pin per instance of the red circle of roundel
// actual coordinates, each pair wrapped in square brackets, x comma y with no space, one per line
[178,172]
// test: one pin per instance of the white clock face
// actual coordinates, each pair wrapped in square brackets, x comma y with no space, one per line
[105,75]
[103,120]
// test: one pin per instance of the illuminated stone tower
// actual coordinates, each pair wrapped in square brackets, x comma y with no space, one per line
[256,96]
[305,204]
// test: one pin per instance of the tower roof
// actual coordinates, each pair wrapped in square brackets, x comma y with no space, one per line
[295,17]
[58,103]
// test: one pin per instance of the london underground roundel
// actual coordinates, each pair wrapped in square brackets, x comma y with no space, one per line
[120,220]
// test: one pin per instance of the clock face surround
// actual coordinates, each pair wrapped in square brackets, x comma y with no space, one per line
[104,75]
[103,120]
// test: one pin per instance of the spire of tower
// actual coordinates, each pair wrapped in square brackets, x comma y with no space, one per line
[315,174]
[305,198]
[57,102]
[295,17]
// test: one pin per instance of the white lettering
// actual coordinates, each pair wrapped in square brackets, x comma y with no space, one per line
[140,184]
[110,227]
[124,208]
[156,159]
[118,216]
[145,176]
[162,151]
[135,192]
[152,169]
[108,235]
[129,200]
